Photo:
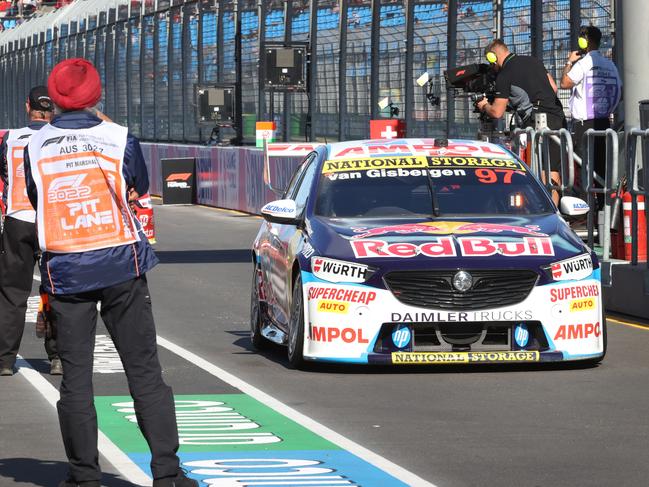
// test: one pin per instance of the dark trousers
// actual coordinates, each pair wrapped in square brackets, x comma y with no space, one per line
[579,128]
[18,256]
[126,311]
[599,151]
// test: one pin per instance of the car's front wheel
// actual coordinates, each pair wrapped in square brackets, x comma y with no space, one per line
[256,312]
[296,327]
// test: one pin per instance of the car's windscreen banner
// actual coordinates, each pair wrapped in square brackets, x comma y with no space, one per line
[418,162]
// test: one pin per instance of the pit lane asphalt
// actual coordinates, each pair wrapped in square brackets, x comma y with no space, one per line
[495,426]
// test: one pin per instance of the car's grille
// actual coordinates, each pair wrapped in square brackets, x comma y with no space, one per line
[434,289]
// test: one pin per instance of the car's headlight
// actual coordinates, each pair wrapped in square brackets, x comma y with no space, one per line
[334,270]
[571,269]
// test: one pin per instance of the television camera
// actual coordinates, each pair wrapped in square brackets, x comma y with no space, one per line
[477,82]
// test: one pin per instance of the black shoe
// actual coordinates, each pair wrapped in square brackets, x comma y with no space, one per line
[6,371]
[87,483]
[180,480]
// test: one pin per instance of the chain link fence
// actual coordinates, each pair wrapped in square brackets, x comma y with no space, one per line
[151,54]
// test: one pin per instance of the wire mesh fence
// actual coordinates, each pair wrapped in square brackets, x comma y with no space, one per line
[151,55]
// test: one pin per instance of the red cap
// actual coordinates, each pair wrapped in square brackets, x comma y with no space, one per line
[74,84]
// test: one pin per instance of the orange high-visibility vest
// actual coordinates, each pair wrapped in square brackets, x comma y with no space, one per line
[18,205]
[82,201]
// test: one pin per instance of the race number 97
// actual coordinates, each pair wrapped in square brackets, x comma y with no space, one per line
[491,176]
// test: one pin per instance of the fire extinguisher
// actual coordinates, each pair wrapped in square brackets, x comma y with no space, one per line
[642,227]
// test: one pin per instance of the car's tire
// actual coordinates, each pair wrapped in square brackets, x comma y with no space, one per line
[257,313]
[296,327]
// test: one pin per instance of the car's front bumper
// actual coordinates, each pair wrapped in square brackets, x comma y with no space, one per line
[355,323]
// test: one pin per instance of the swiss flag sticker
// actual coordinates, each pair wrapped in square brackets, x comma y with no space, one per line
[556,271]
[317,265]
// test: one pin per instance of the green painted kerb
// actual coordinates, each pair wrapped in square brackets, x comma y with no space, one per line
[211,423]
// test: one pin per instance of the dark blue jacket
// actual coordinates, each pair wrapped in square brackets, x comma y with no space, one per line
[78,272]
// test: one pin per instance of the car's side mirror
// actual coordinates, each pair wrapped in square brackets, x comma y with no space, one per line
[281,211]
[571,206]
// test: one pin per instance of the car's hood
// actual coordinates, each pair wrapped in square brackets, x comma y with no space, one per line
[449,242]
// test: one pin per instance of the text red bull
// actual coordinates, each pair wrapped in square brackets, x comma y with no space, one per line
[447,228]
[444,247]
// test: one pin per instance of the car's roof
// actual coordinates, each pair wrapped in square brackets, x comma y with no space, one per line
[415,147]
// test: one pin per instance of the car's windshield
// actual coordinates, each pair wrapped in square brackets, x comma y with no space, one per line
[431,186]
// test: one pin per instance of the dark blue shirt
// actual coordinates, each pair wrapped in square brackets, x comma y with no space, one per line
[78,272]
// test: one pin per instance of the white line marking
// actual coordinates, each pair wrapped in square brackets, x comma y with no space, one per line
[37,277]
[124,465]
[33,303]
[105,358]
[311,424]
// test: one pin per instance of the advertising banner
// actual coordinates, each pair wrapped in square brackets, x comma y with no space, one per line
[178,176]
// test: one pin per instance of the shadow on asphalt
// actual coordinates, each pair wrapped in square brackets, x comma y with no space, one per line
[41,365]
[204,256]
[277,354]
[45,473]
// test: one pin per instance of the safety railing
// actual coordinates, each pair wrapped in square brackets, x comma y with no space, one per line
[638,188]
[543,139]
[538,153]
[537,149]
[605,190]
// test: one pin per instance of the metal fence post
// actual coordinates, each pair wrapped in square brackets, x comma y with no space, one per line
[288,36]
[451,61]
[375,38]
[129,72]
[238,104]
[262,14]
[155,63]
[610,178]
[575,23]
[220,41]
[170,74]
[635,187]
[343,123]
[498,19]
[410,48]
[536,20]
[142,71]
[313,71]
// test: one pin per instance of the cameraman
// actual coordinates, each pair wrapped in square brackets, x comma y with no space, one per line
[527,88]
[595,93]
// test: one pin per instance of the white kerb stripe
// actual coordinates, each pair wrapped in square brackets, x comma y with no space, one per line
[124,465]
[311,424]
[37,277]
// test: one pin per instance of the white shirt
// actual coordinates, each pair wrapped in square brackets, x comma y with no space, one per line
[597,89]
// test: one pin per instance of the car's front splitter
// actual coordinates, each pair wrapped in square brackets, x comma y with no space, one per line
[457,358]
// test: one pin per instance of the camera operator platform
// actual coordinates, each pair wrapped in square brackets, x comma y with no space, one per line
[524,85]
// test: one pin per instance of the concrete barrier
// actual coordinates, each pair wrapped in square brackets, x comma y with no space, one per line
[226,177]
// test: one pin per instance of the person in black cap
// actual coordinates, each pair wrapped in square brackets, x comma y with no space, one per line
[19,246]
[595,91]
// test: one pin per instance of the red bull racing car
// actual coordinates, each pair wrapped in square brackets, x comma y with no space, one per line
[423,251]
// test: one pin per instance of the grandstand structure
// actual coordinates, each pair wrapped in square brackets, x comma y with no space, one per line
[152,53]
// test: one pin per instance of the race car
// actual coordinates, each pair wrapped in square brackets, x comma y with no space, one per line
[423,251]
